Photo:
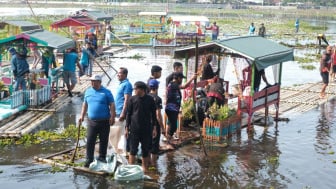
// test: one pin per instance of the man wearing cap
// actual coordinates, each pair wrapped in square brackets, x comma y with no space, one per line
[141,124]
[153,85]
[20,68]
[173,101]
[99,106]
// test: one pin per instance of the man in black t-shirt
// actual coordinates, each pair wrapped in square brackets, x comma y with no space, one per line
[140,123]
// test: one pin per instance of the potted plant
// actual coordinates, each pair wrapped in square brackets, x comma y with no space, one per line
[187,111]
[221,122]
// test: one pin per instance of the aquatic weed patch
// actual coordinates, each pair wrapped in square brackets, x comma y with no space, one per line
[41,136]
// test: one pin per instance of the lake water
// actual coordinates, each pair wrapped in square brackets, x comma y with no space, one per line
[294,154]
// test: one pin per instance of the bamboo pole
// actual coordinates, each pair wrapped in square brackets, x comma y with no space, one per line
[194,97]
[50,162]
[41,109]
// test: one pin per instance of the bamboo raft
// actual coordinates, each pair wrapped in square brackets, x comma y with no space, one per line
[27,121]
[302,98]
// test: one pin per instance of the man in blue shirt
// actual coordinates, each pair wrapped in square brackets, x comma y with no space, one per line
[69,69]
[124,92]
[99,106]
[251,29]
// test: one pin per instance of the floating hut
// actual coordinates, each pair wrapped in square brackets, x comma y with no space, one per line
[16,101]
[253,52]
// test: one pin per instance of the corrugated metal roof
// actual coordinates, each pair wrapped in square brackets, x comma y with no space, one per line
[24,25]
[76,21]
[263,52]
[54,40]
[42,38]
[98,15]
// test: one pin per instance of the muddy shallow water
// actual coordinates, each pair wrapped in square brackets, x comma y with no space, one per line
[294,154]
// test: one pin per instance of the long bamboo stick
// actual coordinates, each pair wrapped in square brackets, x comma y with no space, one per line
[50,162]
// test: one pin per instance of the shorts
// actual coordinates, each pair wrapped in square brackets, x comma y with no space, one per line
[69,76]
[325,77]
[134,138]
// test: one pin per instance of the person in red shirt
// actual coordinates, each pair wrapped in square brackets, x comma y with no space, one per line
[214,29]
[325,69]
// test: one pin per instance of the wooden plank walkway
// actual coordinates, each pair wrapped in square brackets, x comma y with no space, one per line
[302,98]
[26,121]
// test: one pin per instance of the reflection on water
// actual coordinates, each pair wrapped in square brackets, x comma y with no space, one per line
[296,154]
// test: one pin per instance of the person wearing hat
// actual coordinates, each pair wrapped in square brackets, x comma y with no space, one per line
[214,30]
[262,30]
[173,102]
[153,85]
[141,123]
[99,107]
[20,68]
[92,38]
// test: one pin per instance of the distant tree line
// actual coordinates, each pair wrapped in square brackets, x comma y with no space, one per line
[307,3]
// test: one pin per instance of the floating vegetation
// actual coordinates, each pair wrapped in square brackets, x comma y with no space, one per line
[137,56]
[57,169]
[308,67]
[37,138]
[331,152]
[305,59]
[273,160]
